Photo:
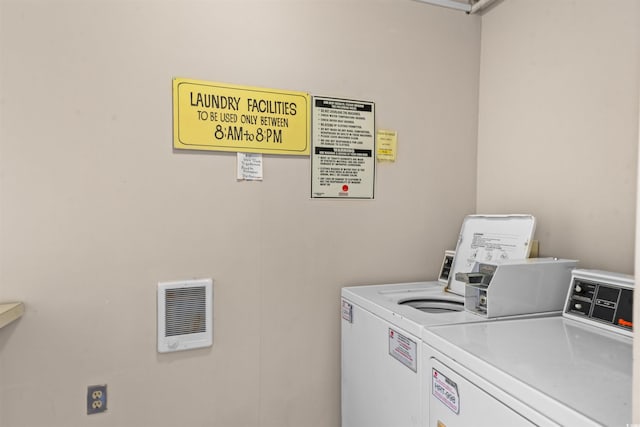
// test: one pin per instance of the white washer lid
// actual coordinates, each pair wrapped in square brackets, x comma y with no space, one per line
[490,237]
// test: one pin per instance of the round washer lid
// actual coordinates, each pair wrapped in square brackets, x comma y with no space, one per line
[434,305]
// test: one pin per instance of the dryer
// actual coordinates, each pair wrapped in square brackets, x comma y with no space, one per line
[573,370]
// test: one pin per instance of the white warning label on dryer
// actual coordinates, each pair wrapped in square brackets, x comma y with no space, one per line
[404,349]
[445,390]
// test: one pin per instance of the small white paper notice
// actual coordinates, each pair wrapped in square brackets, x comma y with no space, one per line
[249,167]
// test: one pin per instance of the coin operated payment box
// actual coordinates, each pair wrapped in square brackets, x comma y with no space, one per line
[486,238]
[517,287]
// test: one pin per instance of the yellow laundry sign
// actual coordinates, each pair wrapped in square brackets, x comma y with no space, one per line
[223,117]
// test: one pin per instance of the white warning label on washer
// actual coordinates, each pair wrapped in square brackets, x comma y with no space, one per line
[445,390]
[347,311]
[404,349]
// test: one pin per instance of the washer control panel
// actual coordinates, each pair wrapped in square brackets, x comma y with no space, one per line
[602,298]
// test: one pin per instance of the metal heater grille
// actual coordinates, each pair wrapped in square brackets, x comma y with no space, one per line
[185,311]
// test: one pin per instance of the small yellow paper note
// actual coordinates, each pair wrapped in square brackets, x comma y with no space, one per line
[387,142]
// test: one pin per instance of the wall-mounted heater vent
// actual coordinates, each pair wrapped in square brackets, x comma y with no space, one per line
[185,315]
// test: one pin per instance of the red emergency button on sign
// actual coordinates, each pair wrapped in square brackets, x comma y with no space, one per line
[345,187]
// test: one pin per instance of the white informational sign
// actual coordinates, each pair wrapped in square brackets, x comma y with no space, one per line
[404,349]
[445,391]
[342,148]
[249,167]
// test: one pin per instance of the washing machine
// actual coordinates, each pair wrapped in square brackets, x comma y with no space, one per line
[382,327]
[382,324]
[570,370]
[381,352]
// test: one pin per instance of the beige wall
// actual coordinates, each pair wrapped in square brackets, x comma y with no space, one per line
[96,208]
[558,123]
